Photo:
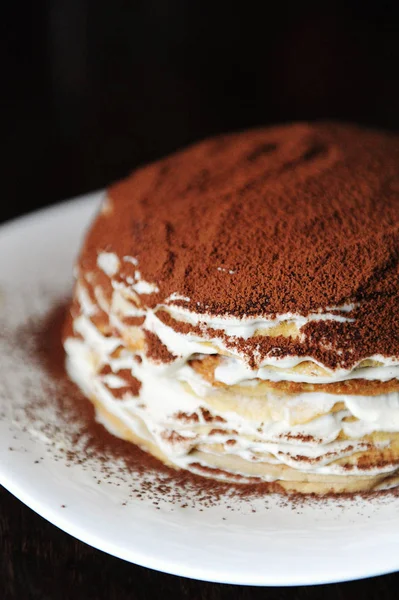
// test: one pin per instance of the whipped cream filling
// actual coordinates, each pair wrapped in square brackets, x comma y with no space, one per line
[109,263]
[233,371]
[245,327]
[233,368]
[165,408]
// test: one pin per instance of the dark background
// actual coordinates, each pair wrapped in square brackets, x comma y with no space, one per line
[90,89]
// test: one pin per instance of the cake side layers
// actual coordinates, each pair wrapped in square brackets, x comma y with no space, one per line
[191,425]
[171,410]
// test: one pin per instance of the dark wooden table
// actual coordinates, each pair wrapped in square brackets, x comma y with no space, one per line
[91,89]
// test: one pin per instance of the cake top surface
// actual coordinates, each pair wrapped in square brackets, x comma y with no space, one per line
[288,219]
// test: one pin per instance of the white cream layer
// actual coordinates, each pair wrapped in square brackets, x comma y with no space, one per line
[234,369]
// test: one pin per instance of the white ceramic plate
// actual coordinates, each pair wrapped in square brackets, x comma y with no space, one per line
[277,544]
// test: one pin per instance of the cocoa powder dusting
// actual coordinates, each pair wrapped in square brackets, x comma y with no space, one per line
[133,385]
[293,219]
[156,350]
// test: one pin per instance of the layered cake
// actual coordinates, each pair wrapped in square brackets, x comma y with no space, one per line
[236,309]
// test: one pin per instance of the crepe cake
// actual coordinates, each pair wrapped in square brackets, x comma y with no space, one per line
[236,309]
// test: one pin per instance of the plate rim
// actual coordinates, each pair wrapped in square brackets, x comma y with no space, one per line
[67,526]
[63,521]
